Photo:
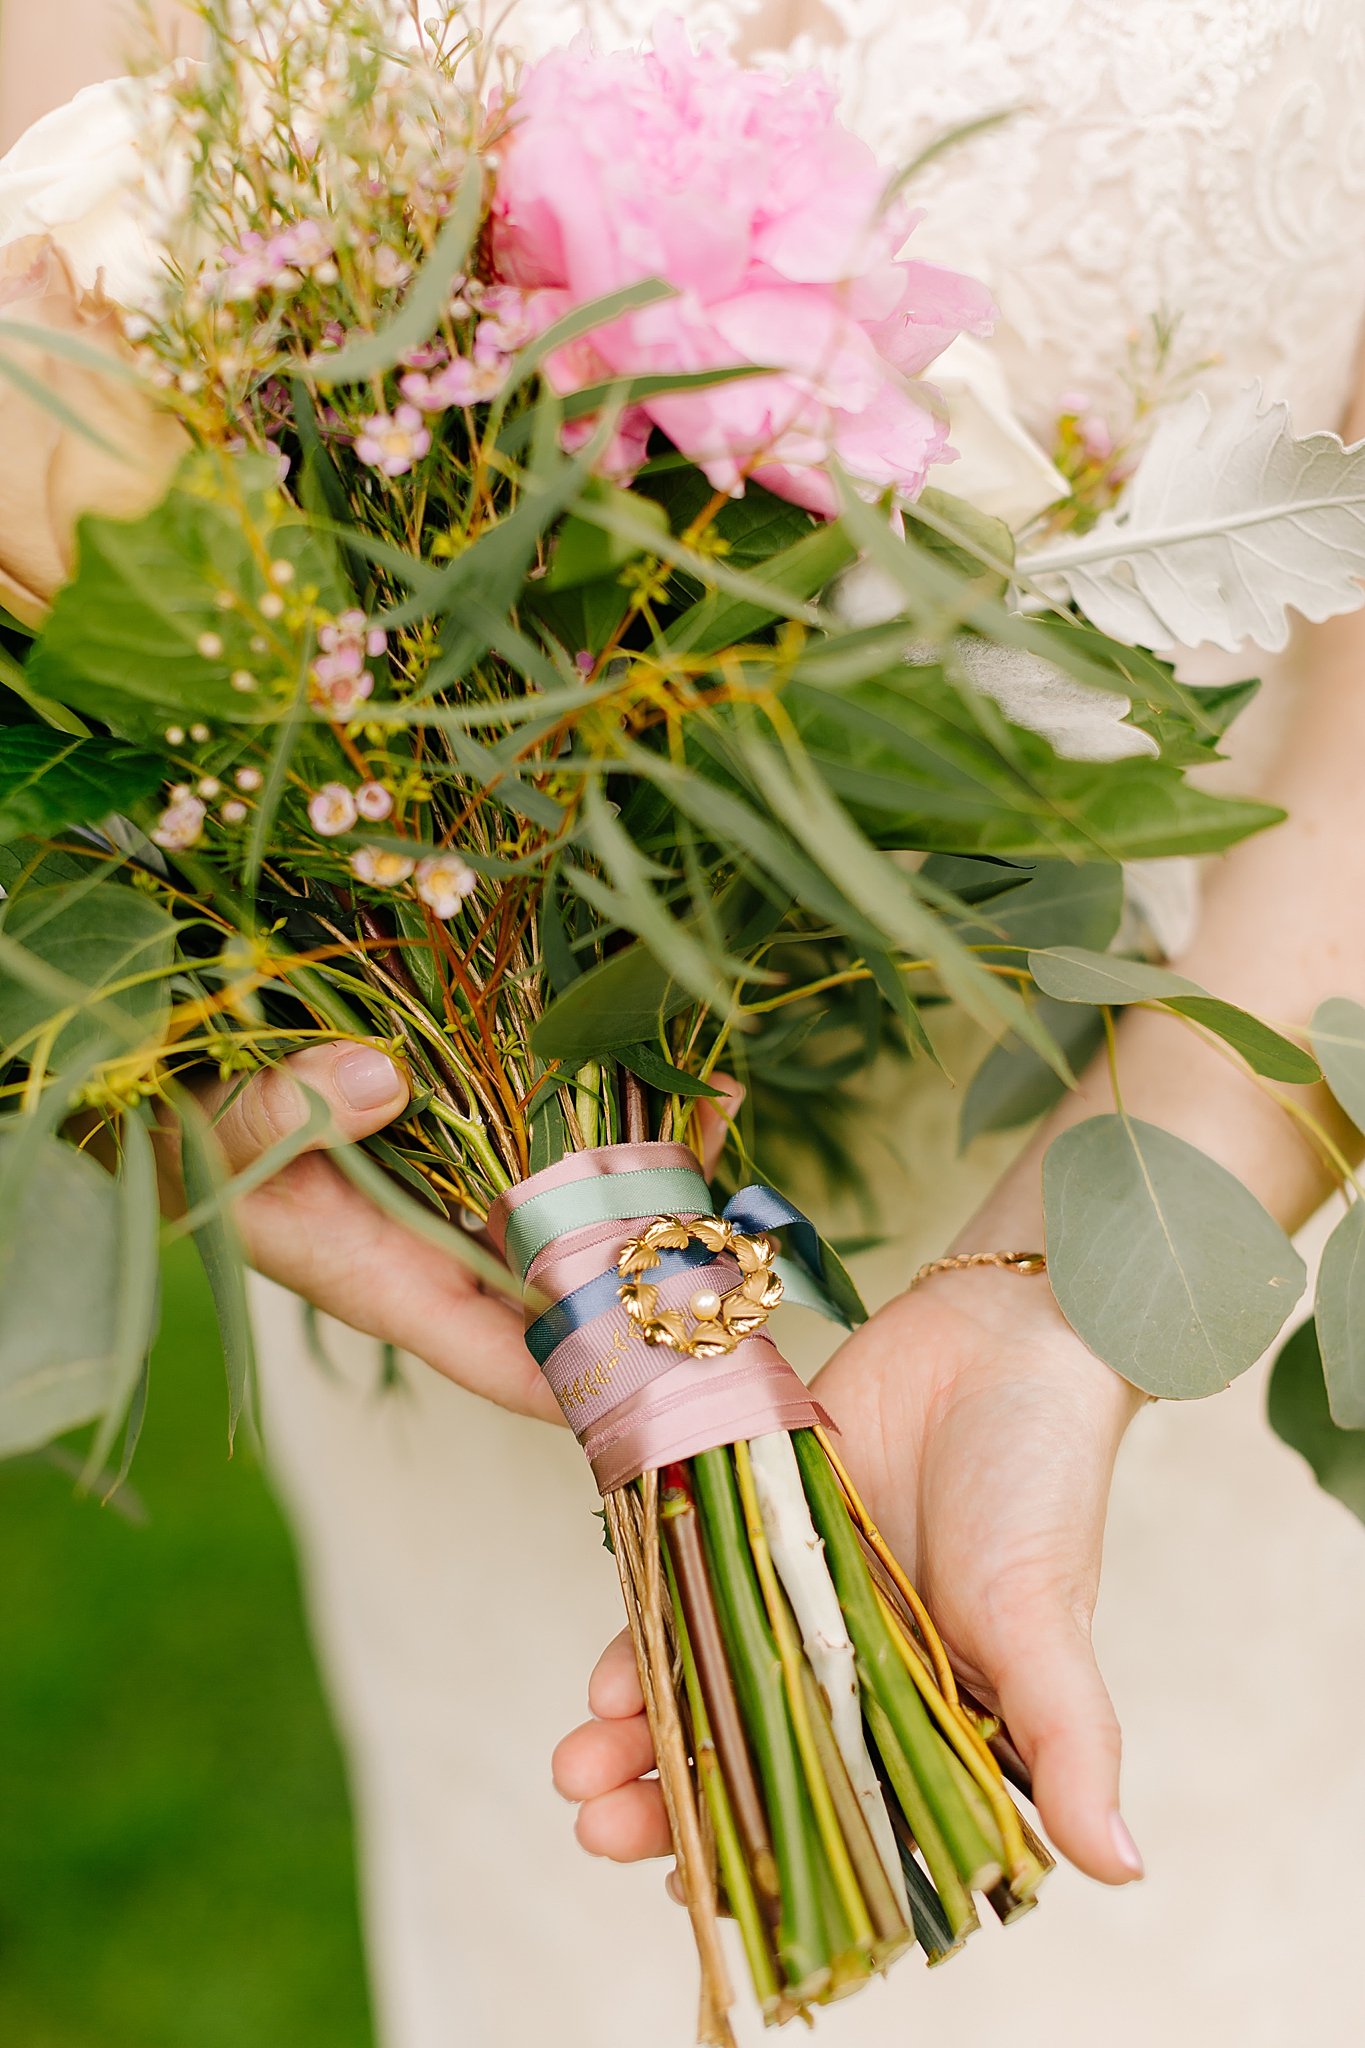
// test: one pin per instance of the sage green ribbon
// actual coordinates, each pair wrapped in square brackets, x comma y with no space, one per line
[644,1191]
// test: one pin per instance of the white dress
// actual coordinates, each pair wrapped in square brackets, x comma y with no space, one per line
[1204,158]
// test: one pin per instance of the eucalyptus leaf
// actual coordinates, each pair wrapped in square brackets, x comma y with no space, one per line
[1297,1410]
[1162,1261]
[422,1220]
[634,904]
[59,1295]
[1338,1038]
[1228,522]
[1053,903]
[1339,1308]
[1013,1086]
[1073,975]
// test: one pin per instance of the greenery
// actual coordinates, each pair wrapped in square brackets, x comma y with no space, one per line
[177,1868]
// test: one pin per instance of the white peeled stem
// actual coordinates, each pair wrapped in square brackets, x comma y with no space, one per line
[799,1555]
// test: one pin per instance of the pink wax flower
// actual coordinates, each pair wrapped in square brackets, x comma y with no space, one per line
[741,189]
[392,443]
[338,680]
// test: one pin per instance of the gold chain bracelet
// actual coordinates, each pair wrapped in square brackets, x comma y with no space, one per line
[1023,1263]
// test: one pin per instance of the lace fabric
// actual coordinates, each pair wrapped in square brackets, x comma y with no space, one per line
[1202,160]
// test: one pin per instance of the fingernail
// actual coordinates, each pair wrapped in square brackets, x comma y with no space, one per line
[1125,1848]
[366,1079]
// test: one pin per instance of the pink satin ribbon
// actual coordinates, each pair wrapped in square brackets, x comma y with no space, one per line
[635,1406]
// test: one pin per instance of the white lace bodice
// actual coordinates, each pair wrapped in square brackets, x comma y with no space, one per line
[1201,157]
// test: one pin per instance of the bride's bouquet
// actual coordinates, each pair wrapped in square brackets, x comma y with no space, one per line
[525,642]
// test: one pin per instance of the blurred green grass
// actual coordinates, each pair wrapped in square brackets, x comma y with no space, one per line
[176,1859]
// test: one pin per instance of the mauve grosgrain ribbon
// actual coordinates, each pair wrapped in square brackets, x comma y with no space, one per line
[635,1406]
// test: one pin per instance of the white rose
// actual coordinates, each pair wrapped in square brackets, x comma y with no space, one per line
[96,176]
[1000,467]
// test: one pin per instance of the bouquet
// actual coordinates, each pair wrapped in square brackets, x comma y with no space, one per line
[507,624]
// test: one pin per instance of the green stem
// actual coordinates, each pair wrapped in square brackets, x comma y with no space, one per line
[953,1893]
[738,1888]
[757,1669]
[789,1649]
[881,1672]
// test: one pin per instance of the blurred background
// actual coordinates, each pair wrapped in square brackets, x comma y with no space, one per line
[178,1864]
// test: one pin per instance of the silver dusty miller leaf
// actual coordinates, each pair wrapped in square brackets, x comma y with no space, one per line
[1227,521]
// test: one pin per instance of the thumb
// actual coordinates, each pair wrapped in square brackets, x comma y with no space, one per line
[362,1087]
[1062,1720]
[714,1119]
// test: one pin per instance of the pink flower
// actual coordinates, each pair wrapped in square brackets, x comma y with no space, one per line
[332,810]
[381,870]
[179,826]
[338,680]
[461,382]
[373,801]
[743,191]
[391,443]
[443,882]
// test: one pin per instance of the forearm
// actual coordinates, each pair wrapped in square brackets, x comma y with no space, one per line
[1282,926]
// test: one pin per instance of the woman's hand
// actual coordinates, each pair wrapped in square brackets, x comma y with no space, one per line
[311,1230]
[981,1434]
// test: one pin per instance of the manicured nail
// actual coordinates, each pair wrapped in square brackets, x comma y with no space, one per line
[366,1079]
[1125,1848]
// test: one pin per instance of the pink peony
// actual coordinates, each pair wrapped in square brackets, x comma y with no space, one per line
[742,190]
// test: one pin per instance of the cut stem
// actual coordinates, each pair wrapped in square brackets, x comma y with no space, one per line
[758,1674]
[682,1532]
[789,1649]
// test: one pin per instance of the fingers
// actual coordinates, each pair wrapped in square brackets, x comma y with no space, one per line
[1059,1712]
[712,1119]
[361,1086]
[614,1688]
[602,1765]
[626,1826]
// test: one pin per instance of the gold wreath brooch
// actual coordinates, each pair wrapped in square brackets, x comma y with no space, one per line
[719,1321]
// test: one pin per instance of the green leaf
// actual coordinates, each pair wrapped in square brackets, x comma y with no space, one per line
[59,1298]
[885,895]
[634,904]
[1161,1261]
[220,1248]
[800,571]
[646,1061]
[137,1299]
[49,779]
[1338,1038]
[1264,1051]
[1013,1086]
[1060,903]
[650,291]
[1297,1410]
[422,1220]
[123,640]
[916,766]
[89,938]
[264,1167]
[587,554]
[56,715]
[424,303]
[1339,1307]
[576,405]
[967,539]
[1073,975]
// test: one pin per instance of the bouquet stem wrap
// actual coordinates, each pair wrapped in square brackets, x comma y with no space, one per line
[634,1406]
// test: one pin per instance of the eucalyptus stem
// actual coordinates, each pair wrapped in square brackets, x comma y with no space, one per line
[753,1658]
